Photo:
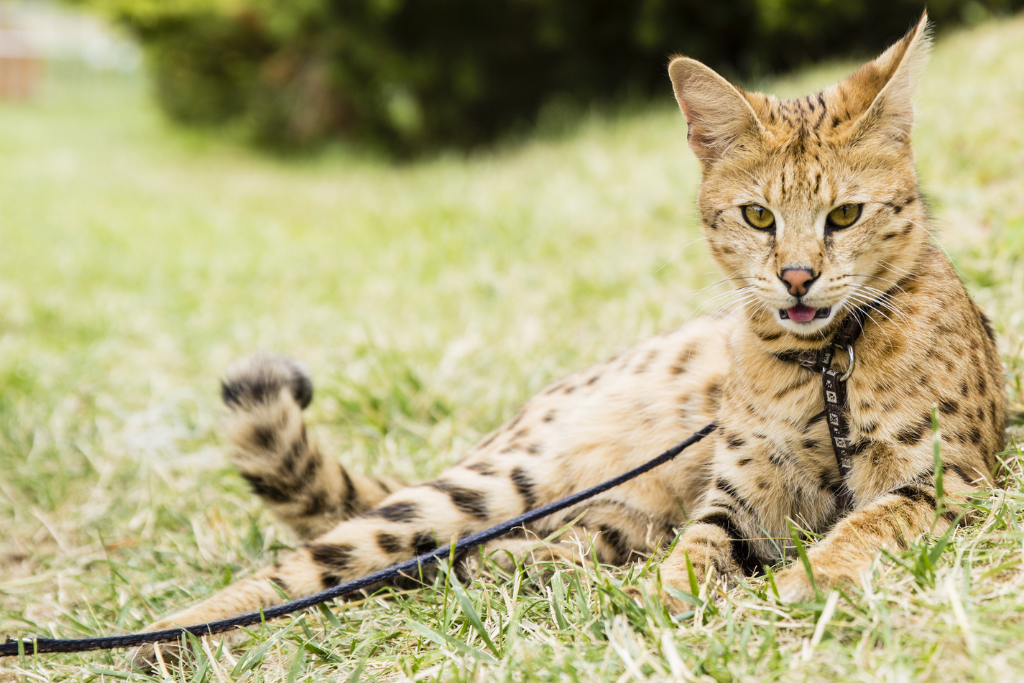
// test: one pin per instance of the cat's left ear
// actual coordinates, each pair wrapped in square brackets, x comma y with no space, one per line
[890,118]
[719,119]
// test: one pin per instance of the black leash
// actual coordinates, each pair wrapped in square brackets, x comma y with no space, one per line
[32,646]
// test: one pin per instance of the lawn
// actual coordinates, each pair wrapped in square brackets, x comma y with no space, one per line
[429,299]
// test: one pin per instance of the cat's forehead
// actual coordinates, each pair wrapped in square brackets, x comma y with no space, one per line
[804,158]
[796,163]
[823,117]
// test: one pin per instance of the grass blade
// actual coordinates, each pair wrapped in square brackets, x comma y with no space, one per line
[447,641]
[806,561]
[940,491]
[469,610]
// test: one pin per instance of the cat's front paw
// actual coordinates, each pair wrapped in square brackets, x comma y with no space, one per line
[794,585]
[677,578]
[674,604]
[641,595]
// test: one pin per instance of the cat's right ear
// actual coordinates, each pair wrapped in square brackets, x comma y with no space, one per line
[718,117]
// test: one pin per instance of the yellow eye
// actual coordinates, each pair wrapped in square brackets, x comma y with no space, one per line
[758,216]
[844,216]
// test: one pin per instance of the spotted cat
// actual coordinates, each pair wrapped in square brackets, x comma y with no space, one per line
[813,205]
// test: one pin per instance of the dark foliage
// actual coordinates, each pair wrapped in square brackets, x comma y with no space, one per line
[416,74]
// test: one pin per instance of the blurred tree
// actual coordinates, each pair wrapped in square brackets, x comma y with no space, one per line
[415,74]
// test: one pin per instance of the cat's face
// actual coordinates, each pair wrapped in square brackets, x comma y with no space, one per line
[811,204]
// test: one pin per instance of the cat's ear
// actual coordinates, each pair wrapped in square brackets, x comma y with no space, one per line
[891,81]
[718,117]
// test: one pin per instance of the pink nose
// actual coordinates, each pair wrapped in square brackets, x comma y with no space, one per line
[798,280]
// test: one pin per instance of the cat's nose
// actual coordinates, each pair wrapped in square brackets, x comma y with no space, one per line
[798,280]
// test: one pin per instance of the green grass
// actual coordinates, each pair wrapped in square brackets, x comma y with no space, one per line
[430,299]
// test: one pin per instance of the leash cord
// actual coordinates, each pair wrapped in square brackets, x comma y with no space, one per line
[33,646]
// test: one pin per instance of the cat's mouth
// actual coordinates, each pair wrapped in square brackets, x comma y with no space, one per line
[804,314]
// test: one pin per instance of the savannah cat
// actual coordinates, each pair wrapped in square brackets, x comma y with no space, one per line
[813,205]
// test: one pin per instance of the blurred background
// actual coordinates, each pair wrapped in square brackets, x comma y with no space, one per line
[409,75]
[439,205]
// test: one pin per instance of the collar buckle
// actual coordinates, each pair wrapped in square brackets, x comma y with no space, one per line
[853,363]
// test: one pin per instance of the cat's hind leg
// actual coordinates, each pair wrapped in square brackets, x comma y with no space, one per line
[410,522]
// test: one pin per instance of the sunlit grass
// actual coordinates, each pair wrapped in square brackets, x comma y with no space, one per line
[429,300]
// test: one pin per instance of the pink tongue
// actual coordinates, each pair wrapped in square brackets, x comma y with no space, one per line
[801,313]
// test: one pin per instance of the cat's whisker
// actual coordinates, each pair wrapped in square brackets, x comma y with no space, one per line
[890,305]
[900,315]
[902,318]
[866,300]
[713,284]
[896,269]
[899,272]
[731,292]
[880,304]
[895,285]
[736,310]
[936,240]
[886,301]
[738,294]
[751,314]
[675,255]
[849,306]
[887,337]
[761,309]
[736,304]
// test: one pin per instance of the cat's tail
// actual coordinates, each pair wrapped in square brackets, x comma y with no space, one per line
[266,394]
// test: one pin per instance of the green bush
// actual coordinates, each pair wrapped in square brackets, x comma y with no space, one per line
[415,74]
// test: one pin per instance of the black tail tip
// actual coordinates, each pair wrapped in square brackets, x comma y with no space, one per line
[259,378]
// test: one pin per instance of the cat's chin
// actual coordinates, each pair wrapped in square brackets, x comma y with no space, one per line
[807,323]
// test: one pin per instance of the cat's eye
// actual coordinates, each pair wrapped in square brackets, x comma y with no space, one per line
[758,216]
[843,216]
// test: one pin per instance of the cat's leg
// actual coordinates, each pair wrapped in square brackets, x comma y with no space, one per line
[606,530]
[724,538]
[415,520]
[727,537]
[892,518]
[309,493]
[410,522]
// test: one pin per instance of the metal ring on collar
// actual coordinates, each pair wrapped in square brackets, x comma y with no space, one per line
[853,362]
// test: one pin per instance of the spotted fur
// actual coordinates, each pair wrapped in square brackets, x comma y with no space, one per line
[924,344]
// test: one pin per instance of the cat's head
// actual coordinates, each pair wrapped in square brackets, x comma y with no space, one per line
[812,203]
